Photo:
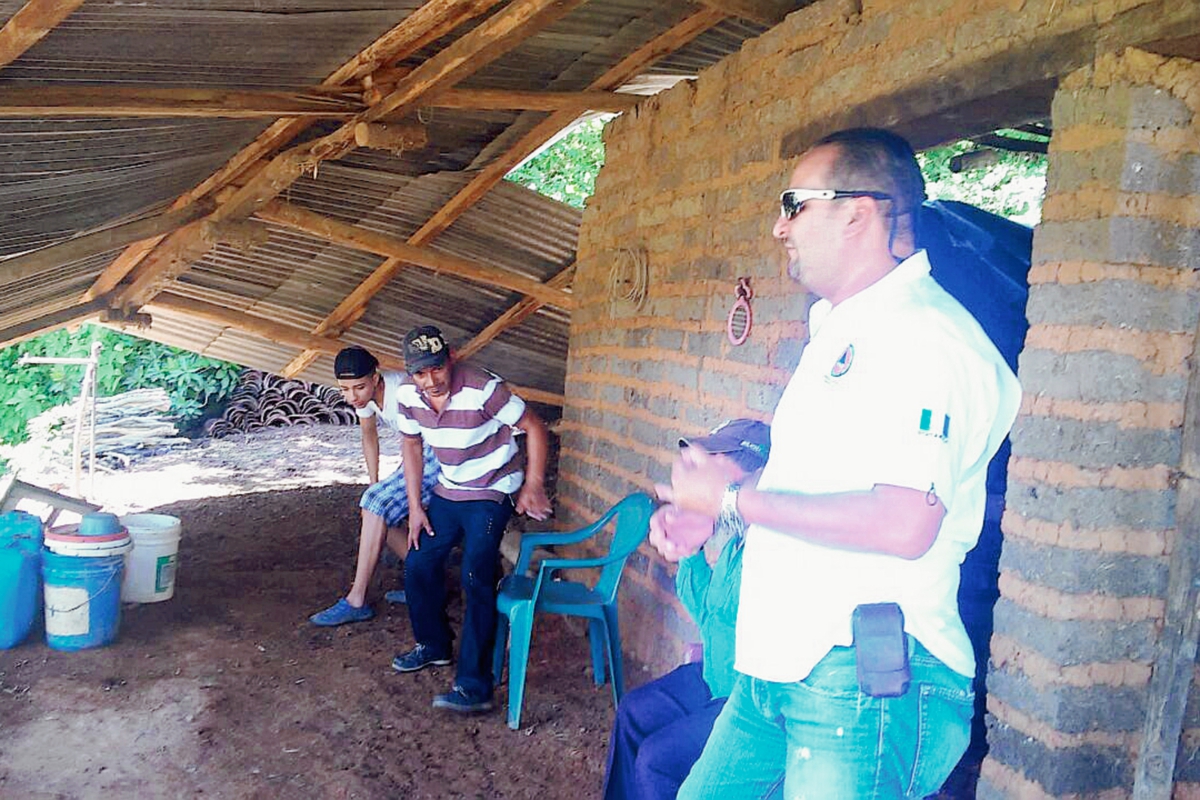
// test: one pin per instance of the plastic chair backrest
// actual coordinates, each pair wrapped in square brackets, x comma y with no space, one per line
[632,526]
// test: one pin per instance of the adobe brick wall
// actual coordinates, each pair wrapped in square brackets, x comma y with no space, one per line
[690,182]
[1090,522]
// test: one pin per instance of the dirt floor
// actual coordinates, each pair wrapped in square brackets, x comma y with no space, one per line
[226,691]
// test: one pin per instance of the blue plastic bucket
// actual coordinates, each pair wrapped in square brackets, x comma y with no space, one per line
[20,576]
[83,599]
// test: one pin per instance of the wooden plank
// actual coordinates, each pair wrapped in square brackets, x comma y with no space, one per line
[317,102]
[32,21]
[92,244]
[1175,651]
[295,337]
[765,12]
[432,20]
[342,233]
[514,316]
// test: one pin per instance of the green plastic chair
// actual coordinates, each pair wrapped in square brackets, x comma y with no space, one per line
[520,596]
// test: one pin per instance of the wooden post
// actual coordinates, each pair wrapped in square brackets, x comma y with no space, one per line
[1175,655]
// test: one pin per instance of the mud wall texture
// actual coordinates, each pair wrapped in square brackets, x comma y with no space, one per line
[684,205]
[1091,520]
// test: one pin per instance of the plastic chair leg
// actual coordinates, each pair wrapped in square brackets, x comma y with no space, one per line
[598,644]
[520,632]
[500,649]
[614,653]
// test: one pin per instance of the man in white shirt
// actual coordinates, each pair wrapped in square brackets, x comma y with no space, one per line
[384,504]
[873,493]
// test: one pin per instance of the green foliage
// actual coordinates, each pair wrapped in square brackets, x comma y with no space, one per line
[193,382]
[1012,186]
[567,169]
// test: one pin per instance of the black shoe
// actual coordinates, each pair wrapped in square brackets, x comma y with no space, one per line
[458,700]
[419,657]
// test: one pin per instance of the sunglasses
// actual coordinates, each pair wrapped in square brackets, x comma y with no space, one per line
[791,201]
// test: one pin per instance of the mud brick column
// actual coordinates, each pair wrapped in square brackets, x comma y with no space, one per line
[1094,516]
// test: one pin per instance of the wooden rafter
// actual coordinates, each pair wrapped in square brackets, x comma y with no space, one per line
[497,35]
[431,21]
[344,315]
[766,12]
[55,319]
[627,68]
[32,21]
[317,102]
[343,233]
[514,316]
[290,336]
[25,266]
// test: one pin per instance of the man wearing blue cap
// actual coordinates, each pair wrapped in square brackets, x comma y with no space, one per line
[661,727]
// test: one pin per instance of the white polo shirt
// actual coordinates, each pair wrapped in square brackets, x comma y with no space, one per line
[898,385]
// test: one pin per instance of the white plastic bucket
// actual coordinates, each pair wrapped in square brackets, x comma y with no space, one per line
[150,567]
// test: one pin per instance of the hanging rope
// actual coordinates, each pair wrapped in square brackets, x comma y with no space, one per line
[629,277]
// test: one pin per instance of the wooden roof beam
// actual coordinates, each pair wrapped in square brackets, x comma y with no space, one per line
[319,102]
[353,236]
[765,12]
[32,21]
[25,266]
[513,317]
[495,36]
[281,333]
[431,21]
[627,68]
[350,309]
[56,319]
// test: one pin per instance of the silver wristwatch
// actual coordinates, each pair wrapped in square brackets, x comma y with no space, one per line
[730,518]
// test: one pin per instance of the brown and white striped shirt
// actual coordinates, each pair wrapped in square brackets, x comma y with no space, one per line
[473,436]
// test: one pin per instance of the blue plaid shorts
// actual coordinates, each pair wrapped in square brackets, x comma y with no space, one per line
[389,497]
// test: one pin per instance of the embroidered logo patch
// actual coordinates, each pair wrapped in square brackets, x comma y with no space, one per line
[935,424]
[842,365]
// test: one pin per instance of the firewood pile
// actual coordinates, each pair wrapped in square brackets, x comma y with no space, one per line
[262,400]
[128,426]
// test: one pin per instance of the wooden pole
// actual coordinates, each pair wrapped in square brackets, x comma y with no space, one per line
[513,316]
[288,335]
[434,19]
[362,239]
[32,21]
[1175,653]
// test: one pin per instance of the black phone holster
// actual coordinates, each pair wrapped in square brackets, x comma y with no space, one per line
[881,649]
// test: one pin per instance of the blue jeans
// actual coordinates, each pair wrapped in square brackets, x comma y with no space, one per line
[821,739]
[659,732]
[479,526]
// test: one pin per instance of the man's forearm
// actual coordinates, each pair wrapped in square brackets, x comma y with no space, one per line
[885,519]
[537,447]
[412,457]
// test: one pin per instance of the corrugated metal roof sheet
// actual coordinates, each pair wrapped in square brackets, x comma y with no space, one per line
[61,178]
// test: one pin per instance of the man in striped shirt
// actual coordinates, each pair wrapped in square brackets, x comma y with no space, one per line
[470,419]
